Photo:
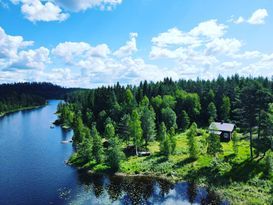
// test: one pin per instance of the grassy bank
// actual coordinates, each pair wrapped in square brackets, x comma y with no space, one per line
[236,178]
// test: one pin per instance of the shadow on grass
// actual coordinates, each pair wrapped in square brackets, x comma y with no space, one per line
[241,172]
[184,162]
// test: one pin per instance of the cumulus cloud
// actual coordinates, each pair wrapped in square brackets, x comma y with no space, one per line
[31,59]
[129,48]
[11,44]
[198,52]
[14,53]
[258,17]
[36,10]
[53,10]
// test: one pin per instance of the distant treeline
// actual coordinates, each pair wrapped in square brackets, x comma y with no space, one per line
[20,95]
[221,99]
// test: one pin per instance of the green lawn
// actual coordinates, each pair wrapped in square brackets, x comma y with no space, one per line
[237,178]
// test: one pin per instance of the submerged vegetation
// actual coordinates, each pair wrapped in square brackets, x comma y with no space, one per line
[161,129]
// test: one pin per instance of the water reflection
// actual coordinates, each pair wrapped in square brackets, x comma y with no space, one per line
[103,189]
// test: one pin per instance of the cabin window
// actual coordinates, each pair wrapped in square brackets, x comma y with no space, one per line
[226,135]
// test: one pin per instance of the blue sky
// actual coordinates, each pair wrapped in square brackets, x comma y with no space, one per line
[89,43]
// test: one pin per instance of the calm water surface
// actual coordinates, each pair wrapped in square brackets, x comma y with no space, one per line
[32,170]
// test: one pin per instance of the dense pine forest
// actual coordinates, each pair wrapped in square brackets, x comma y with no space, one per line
[162,128]
[23,95]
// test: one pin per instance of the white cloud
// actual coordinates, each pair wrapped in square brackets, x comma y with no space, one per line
[9,45]
[81,5]
[174,36]
[239,20]
[31,59]
[53,10]
[129,48]
[37,10]
[211,29]
[174,53]
[223,46]
[258,17]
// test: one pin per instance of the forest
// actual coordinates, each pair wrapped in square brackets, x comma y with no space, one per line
[161,128]
[25,95]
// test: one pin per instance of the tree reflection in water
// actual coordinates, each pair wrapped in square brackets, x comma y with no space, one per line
[104,189]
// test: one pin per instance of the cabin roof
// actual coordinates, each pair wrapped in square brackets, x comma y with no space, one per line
[220,126]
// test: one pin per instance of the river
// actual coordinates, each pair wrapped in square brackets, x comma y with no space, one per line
[32,170]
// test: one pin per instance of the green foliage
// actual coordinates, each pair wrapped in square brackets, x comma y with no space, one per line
[269,165]
[148,124]
[124,128]
[85,148]
[235,143]
[214,145]
[115,154]
[185,120]
[212,112]
[109,130]
[225,108]
[167,141]
[136,130]
[162,133]
[192,143]
[169,117]
[97,150]
[78,129]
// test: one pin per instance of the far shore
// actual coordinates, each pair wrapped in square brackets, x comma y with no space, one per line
[21,109]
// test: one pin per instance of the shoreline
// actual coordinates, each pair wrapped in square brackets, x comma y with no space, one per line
[22,109]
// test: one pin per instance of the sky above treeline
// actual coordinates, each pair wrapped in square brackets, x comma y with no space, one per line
[89,43]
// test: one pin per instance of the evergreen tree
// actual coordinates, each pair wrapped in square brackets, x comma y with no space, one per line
[185,120]
[109,130]
[136,130]
[124,128]
[162,134]
[85,148]
[235,141]
[115,154]
[78,130]
[97,151]
[214,144]
[212,112]
[225,108]
[192,143]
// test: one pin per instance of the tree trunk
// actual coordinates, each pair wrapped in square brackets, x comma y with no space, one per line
[136,151]
[250,139]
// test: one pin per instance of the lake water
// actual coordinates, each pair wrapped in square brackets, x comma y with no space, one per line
[32,170]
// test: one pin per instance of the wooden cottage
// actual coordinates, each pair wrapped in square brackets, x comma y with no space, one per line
[224,130]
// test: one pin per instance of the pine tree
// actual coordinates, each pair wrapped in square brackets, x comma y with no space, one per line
[97,151]
[85,148]
[124,128]
[109,130]
[185,120]
[214,144]
[115,154]
[212,111]
[192,143]
[225,108]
